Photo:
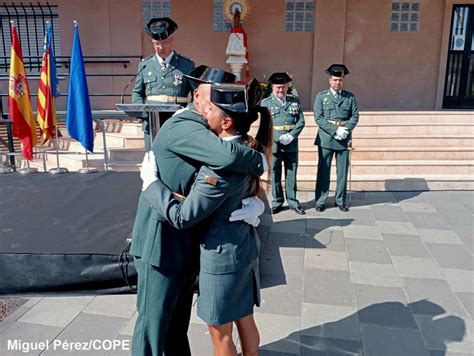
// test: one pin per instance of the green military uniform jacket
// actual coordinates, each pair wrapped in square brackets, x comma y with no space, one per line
[225,246]
[152,80]
[327,108]
[182,146]
[284,115]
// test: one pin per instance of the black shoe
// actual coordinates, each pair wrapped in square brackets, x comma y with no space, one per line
[320,208]
[298,210]
[343,208]
[276,209]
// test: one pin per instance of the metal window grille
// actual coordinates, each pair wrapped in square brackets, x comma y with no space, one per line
[405,16]
[299,15]
[155,8]
[221,23]
[30,21]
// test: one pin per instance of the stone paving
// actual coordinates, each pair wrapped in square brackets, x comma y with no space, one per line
[394,276]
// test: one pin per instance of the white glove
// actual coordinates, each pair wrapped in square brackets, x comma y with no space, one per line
[289,138]
[282,139]
[337,137]
[149,170]
[342,132]
[252,208]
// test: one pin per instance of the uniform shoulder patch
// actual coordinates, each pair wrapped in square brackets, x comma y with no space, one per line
[147,58]
[210,180]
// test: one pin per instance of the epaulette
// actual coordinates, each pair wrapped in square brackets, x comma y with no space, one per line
[144,59]
[323,92]
[184,57]
[266,99]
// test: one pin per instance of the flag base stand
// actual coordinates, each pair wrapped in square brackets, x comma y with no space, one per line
[27,170]
[6,170]
[58,170]
[87,170]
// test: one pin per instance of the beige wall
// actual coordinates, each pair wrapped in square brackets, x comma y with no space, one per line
[389,70]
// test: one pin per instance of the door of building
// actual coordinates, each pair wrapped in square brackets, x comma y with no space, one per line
[459,83]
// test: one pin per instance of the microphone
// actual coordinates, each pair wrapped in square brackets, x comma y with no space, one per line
[130,82]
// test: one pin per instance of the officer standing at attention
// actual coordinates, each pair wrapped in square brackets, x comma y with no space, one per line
[336,113]
[160,76]
[288,122]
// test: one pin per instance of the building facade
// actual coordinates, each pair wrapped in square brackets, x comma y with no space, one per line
[403,55]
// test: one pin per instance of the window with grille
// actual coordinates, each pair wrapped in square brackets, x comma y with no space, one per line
[30,21]
[221,23]
[299,16]
[405,16]
[155,8]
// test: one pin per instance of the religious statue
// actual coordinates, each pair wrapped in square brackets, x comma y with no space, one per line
[237,48]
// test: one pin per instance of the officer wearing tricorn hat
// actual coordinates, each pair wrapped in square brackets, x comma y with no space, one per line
[160,76]
[336,113]
[288,122]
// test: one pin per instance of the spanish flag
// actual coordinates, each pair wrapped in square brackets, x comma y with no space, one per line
[19,104]
[48,81]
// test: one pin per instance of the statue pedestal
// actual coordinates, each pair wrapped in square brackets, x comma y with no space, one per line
[236,64]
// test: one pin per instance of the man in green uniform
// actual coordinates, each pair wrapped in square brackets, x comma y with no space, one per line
[166,259]
[336,113]
[288,122]
[160,77]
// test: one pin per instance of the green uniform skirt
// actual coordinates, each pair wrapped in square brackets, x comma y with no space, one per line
[228,297]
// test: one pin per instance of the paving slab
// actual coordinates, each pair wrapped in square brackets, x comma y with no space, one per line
[374,274]
[417,267]
[439,236]
[369,251]
[405,245]
[452,256]
[362,232]
[327,287]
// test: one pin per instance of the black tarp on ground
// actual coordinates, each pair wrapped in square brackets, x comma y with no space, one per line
[65,232]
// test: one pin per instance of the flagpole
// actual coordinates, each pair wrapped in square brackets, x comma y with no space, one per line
[57,170]
[87,169]
[27,169]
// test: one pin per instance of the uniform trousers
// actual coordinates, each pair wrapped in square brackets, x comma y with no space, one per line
[164,302]
[324,175]
[290,162]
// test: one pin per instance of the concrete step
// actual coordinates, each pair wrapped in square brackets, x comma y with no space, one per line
[126,154]
[126,127]
[402,129]
[396,183]
[398,153]
[120,140]
[407,117]
[401,141]
[399,167]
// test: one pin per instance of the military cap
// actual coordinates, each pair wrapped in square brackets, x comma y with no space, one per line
[204,74]
[160,28]
[280,78]
[337,70]
[236,98]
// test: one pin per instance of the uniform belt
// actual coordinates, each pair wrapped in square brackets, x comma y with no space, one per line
[338,122]
[168,98]
[284,127]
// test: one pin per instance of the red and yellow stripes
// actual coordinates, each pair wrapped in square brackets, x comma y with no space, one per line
[19,104]
[46,110]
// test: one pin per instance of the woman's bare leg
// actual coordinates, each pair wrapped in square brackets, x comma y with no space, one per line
[249,336]
[221,336]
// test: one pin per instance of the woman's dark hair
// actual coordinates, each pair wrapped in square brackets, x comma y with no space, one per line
[263,139]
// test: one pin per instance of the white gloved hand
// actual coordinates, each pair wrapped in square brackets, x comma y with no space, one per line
[149,170]
[252,208]
[289,138]
[337,137]
[342,132]
[283,139]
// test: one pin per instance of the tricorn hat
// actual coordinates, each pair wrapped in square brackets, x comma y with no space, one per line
[337,70]
[280,78]
[204,74]
[160,28]
[236,98]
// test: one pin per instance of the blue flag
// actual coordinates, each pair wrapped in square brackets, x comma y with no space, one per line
[79,114]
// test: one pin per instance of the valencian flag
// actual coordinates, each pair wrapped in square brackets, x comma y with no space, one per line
[79,114]
[19,104]
[47,90]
